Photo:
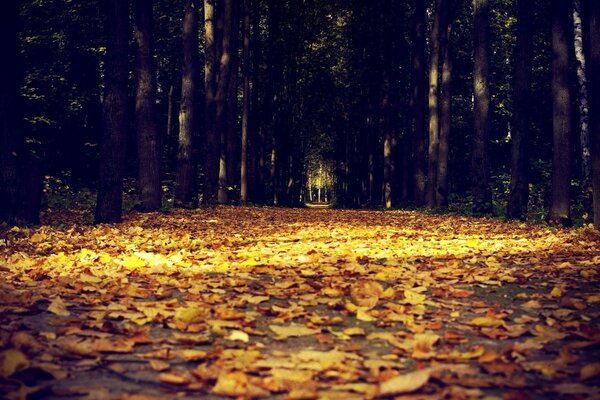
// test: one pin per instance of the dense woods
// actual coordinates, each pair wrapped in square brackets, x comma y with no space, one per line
[489,107]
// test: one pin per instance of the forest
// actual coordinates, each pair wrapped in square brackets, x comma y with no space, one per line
[486,107]
[299,199]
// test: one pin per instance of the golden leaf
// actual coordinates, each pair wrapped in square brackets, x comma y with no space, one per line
[407,383]
[58,307]
[12,361]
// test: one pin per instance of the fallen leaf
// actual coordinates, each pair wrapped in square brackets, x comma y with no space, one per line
[589,371]
[292,330]
[58,307]
[12,361]
[407,383]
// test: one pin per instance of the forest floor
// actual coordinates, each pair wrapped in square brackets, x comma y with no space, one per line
[298,304]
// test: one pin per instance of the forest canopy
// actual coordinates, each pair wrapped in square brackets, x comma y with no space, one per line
[484,106]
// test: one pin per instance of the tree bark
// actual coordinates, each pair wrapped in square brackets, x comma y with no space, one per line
[584,133]
[594,75]
[246,73]
[211,166]
[561,115]
[482,194]
[148,148]
[221,98]
[109,204]
[186,192]
[519,185]
[441,192]
[233,131]
[10,139]
[433,103]
[419,84]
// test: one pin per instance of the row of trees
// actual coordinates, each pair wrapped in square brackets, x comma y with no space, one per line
[393,98]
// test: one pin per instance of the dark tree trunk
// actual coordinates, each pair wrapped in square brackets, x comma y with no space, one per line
[433,102]
[482,194]
[418,90]
[561,114]
[246,75]
[10,136]
[109,205]
[441,195]
[213,139]
[233,131]
[594,77]
[256,164]
[519,186]
[221,97]
[148,143]
[186,192]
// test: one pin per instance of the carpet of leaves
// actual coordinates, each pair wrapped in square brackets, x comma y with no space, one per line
[237,302]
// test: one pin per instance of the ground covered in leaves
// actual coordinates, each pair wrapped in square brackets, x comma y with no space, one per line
[298,304]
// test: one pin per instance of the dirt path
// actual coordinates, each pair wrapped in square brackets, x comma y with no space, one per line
[316,303]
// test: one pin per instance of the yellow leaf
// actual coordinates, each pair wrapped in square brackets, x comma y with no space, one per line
[193,355]
[363,315]
[174,379]
[414,298]
[293,330]
[556,292]
[488,322]
[12,361]
[58,307]
[133,262]
[407,383]
[191,315]
[158,365]
[238,335]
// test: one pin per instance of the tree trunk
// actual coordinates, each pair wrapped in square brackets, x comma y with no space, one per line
[148,148]
[441,192]
[186,192]
[109,205]
[482,194]
[433,103]
[419,84]
[221,97]
[233,132]
[246,73]
[10,139]
[169,129]
[519,185]
[561,115]
[213,140]
[584,134]
[594,75]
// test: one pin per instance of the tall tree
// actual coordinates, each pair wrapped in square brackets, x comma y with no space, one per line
[482,194]
[185,181]
[561,114]
[434,101]
[148,142]
[584,134]
[519,185]
[225,57]
[10,134]
[233,129]
[441,191]
[213,139]
[594,74]
[418,101]
[246,76]
[109,204]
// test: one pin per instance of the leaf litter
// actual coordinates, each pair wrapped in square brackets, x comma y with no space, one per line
[236,302]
